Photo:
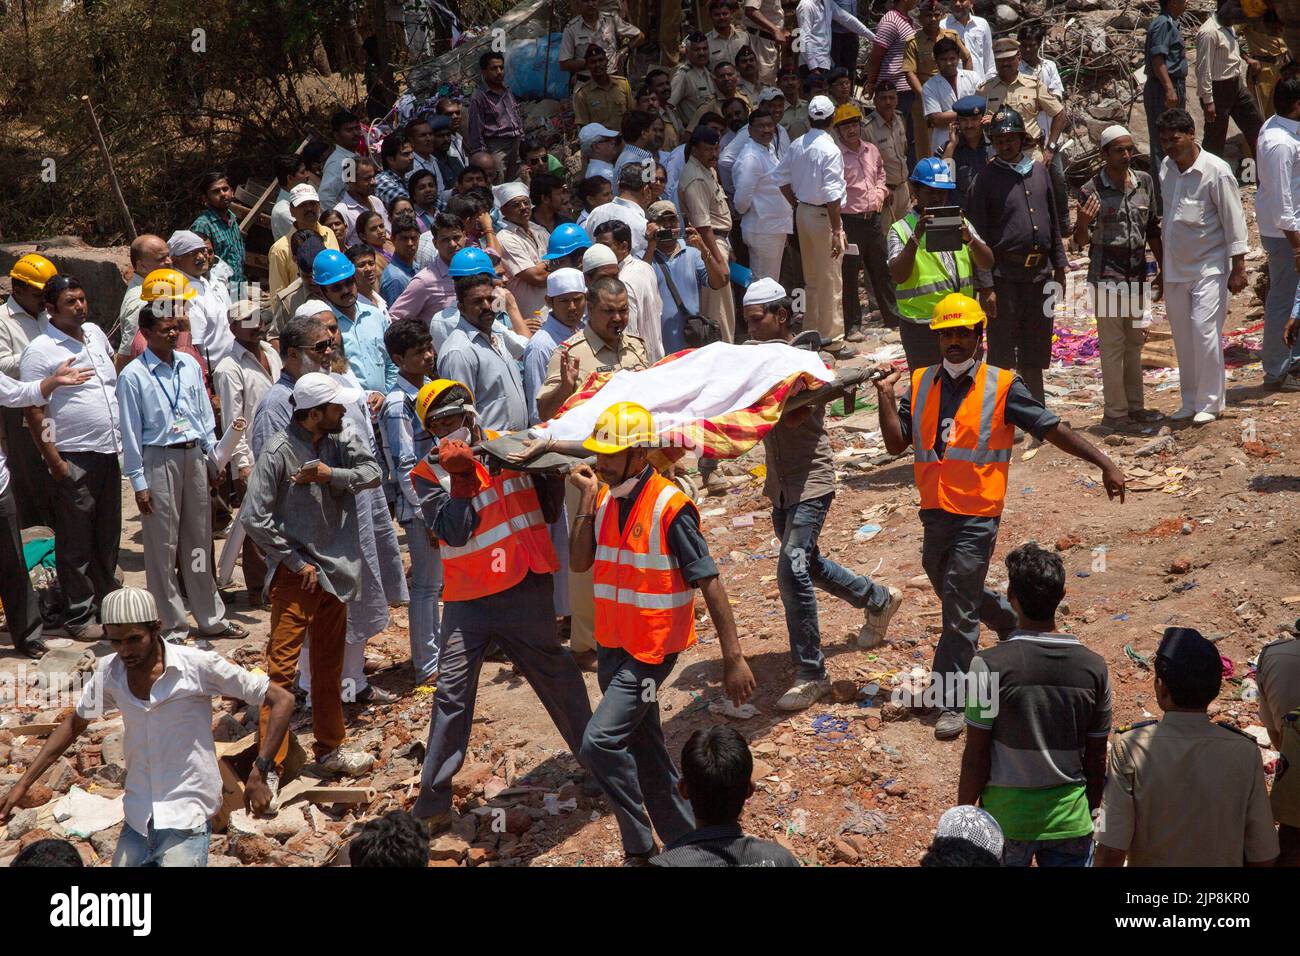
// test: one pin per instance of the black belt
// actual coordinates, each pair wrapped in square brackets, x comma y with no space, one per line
[816,205]
[183,446]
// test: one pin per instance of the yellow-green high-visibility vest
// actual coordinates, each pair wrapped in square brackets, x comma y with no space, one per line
[931,277]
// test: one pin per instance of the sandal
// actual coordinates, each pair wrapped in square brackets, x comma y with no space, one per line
[34,648]
[230,630]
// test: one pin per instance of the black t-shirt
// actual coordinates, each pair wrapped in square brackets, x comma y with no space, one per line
[724,845]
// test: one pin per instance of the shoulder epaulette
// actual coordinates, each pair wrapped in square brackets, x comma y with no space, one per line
[1141,723]
[1237,731]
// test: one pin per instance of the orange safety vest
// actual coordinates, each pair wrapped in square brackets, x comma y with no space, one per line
[511,538]
[643,604]
[971,477]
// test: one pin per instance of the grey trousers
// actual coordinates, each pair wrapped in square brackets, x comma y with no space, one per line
[955,552]
[179,529]
[625,750]
[522,621]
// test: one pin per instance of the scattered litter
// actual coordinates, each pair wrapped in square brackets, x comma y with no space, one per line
[1120,617]
[81,813]
[863,821]
[798,824]
[1249,690]
[1141,660]
[1260,734]
[866,532]
[713,512]
[742,521]
[554,806]
[1229,668]
[725,708]
[1030,454]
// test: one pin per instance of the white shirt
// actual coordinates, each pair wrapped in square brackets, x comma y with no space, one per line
[624,210]
[241,384]
[813,167]
[938,96]
[1204,224]
[1050,77]
[814,30]
[16,394]
[978,37]
[727,158]
[209,316]
[523,248]
[644,307]
[331,179]
[1218,57]
[85,415]
[351,209]
[171,761]
[17,329]
[281,217]
[758,198]
[1277,202]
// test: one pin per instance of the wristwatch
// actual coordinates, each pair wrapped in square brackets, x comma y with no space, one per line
[264,765]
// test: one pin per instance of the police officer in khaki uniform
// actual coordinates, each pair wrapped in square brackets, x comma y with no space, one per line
[703,205]
[724,47]
[692,84]
[1026,95]
[601,345]
[1278,673]
[606,30]
[1182,790]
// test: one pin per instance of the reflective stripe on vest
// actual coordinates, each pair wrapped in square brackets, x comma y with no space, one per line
[643,604]
[965,480]
[930,280]
[511,540]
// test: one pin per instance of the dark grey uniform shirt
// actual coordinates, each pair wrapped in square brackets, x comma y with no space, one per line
[724,845]
[800,466]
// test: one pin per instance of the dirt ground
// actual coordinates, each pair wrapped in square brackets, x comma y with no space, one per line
[1206,538]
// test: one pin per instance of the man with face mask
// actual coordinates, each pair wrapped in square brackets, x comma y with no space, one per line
[1013,208]
[497,567]
[640,537]
[960,417]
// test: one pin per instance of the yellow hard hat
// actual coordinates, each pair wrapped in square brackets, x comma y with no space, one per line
[34,270]
[430,392]
[169,284]
[956,311]
[844,113]
[623,425]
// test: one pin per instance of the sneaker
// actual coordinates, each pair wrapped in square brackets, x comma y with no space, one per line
[1204,418]
[351,763]
[844,351]
[855,336]
[718,484]
[804,695]
[375,695]
[949,725]
[875,622]
[1181,415]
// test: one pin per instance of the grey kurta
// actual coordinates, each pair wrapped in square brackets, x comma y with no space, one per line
[382,580]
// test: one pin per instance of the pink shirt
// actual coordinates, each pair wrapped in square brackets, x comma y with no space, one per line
[864,179]
[427,294]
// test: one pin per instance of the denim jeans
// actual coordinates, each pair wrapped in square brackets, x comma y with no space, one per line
[624,749]
[163,847]
[1075,851]
[426,587]
[800,567]
[1278,307]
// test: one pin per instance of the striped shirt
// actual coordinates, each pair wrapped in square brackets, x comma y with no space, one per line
[226,238]
[895,31]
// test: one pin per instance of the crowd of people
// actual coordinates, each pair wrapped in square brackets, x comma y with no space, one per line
[459,281]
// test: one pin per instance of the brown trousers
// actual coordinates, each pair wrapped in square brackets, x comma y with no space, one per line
[295,614]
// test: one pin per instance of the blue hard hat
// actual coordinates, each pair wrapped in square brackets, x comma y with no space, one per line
[331,266]
[471,261]
[567,239]
[934,173]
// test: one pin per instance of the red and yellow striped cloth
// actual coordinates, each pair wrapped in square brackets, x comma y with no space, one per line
[725,436]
